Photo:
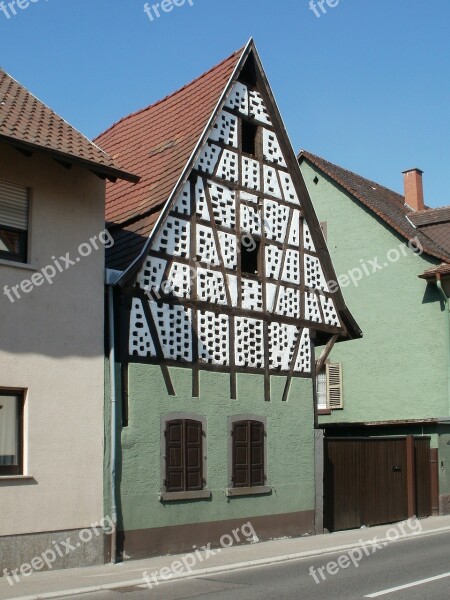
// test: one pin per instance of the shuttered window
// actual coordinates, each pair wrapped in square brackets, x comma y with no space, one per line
[322,390]
[13,221]
[248,454]
[329,387]
[334,386]
[184,456]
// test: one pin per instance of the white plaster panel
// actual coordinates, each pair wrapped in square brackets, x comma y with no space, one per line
[207,160]
[314,277]
[287,185]
[213,338]
[174,326]
[173,239]
[304,356]
[271,184]
[271,148]
[249,343]
[251,173]
[282,340]
[140,341]
[225,129]
[228,168]
[257,108]
[238,98]
[251,294]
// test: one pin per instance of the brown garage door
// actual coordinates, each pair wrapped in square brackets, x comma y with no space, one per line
[366,481]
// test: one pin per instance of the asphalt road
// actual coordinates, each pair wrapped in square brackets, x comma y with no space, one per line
[397,565]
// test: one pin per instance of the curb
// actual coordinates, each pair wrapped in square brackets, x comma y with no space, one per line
[225,568]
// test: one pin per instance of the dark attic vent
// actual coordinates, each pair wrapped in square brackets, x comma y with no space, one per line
[248,73]
[250,256]
[316,180]
[249,134]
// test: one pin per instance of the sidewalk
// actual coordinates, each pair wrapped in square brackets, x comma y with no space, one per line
[56,584]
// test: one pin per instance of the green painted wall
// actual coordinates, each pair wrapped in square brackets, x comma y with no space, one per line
[290,446]
[399,369]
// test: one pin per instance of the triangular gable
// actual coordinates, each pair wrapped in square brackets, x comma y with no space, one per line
[235,275]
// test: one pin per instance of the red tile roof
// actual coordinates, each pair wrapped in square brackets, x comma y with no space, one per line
[431,216]
[442,270]
[28,123]
[385,203]
[158,141]
[434,223]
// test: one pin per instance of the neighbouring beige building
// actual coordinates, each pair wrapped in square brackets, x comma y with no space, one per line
[52,243]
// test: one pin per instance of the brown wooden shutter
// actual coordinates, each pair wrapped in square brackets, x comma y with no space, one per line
[256,453]
[241,454]
[174,456]
[194,455]
[334,386]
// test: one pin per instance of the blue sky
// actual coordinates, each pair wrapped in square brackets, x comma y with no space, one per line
[366,85]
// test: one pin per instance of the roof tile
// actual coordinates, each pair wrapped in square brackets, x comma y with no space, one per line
[386,204]
[26,120]
[156,143]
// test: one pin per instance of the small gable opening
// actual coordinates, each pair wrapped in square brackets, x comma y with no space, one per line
[249,137]
[250,251]
[248,74]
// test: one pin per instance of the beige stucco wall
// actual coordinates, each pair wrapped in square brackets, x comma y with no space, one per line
[51,343]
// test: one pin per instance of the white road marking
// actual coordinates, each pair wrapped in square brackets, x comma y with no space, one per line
[407,585]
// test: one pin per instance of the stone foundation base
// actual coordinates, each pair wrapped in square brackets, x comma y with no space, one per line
[444,505]
[52,550]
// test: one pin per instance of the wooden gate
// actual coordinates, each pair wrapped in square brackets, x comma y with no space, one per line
[371,481]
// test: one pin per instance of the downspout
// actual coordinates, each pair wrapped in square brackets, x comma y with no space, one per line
[447,305]
[111,278]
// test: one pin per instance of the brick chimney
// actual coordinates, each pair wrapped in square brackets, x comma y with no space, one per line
[414,189]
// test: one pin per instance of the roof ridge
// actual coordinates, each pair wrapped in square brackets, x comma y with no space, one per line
[54,112]
[174,93]
[379,185]
[431,246]
[432,208]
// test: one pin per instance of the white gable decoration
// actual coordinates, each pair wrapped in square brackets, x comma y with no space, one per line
[205,309]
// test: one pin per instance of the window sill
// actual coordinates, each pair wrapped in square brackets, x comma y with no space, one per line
[171,496]
[248,491]
[17,265]
[324,411]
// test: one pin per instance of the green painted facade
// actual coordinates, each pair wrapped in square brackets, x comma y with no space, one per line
[399,370]
[289,444]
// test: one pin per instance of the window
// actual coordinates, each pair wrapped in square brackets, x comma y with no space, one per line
[329,387]
[322,390]
[184,456]
[250,256]
[11,428]
[248,441]
[13,222]
[249,135]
